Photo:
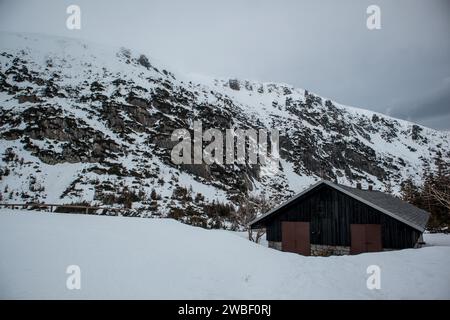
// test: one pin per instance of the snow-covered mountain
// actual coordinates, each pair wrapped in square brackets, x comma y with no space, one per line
[84,122]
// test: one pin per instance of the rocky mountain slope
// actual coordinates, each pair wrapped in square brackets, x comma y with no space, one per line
[80,122]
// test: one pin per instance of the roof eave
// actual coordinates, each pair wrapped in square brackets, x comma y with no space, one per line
[387,212]
[285,203]
[334,186]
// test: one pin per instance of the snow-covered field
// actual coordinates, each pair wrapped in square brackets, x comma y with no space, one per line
[161,258]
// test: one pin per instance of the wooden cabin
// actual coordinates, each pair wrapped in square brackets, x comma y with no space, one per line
[333,219]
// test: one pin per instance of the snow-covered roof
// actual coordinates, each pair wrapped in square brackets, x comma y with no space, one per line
[383,202]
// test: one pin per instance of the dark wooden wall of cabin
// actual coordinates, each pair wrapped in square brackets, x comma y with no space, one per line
[330,213]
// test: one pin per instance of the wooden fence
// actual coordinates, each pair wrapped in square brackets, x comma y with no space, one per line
[50,207]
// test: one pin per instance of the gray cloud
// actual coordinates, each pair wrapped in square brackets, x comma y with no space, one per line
[431,107]
[323,46]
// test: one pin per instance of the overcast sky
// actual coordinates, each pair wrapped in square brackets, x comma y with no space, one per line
[324,46]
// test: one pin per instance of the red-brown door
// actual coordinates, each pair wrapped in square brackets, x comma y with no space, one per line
[365,238]
[358,235]
[295,237]
[373,238]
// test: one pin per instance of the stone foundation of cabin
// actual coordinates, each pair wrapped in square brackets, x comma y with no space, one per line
[318,249]
[275,245]
[324,250]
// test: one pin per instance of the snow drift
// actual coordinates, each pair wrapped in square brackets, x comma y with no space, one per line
[163,259]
